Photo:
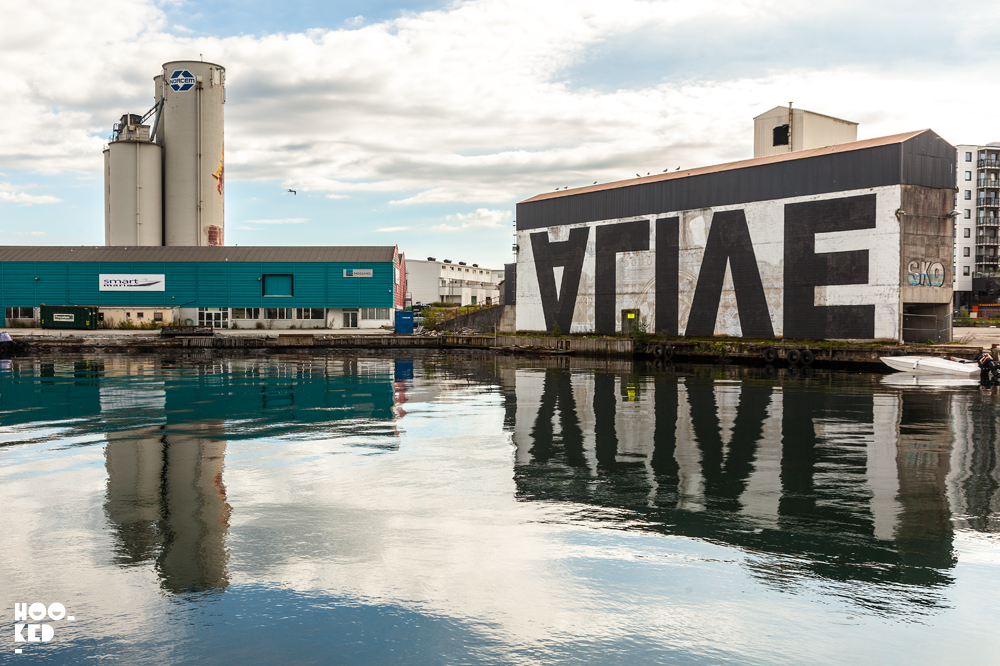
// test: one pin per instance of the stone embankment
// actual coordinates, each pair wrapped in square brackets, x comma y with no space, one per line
[783,352]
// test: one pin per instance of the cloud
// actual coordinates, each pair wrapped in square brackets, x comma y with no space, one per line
[10,194]
[392,229]
[485,101]
[479,219]
[28,233]
[338,196]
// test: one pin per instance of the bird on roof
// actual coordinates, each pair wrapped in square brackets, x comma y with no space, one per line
[595,182]
[666,170]
[293,192]
[677,169]
[638,176]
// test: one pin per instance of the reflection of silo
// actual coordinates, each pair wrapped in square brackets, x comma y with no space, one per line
[192,136]
[133,202]
[166,500]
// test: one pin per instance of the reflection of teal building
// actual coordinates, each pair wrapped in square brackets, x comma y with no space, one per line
[256,394]
[167,425]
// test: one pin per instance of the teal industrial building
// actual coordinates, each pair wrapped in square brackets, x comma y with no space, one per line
[223,287]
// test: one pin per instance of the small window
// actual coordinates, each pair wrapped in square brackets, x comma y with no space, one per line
[965,252]
[968,213]
[139,315]
[967,232]
[278,313]
[277,285]
[965,270]
[968,175]
[157,316]
[968,157]
[968,195]
[128,315]
[780,136]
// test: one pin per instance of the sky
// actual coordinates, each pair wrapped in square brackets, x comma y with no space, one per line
[422,124]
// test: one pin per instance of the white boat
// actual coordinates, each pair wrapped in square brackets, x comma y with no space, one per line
[932,365]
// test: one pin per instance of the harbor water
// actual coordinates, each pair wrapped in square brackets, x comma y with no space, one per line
[478,509]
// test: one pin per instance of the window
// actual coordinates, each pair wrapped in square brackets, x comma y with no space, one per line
[779,136]
[965,252]
[20,313]
[278,313]
[157,316]
[277,285]
[128,315]
[310,313]
[473,300]
[968,213]
[140,315]
[968,175]
[968,195]
[246,313]
[965,270]
[375,313]
[968,157]
[967,232]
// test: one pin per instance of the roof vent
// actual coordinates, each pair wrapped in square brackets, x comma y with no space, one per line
[447,261]
[461,263]
[475,265]
[431,259]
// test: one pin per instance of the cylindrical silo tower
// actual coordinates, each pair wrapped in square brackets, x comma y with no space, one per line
[191,131]
[133,201]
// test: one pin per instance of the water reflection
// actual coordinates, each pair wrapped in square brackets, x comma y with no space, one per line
[840,481]
[167,423]
[167,502]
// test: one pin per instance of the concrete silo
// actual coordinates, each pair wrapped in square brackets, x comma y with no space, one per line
[133,199]
[191,132]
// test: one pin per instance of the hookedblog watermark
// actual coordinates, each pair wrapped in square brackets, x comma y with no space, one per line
[31,622]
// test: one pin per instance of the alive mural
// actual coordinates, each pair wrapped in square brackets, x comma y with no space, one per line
[814,267]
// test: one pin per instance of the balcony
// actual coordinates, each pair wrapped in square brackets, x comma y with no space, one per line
[989,164]
[991,202]
[986,259]
[987,182]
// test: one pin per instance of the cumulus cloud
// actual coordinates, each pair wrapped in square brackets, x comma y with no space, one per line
[285,220]
[11,194]
[481,218]
[392,229]
[488,100]
[28,233]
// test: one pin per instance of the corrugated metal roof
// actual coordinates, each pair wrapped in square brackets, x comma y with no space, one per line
[730,166]
[317,254]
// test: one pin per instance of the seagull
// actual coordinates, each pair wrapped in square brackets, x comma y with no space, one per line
[595,182]
[638,176]
[293,192]
[666,170]
[677,169]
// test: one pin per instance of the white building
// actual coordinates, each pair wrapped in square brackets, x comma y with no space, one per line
[434,281]
[785,130]
[976,227]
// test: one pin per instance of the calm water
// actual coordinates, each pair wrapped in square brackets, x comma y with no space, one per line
[459,509]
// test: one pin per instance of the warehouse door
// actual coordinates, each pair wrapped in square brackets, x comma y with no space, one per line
[350,318]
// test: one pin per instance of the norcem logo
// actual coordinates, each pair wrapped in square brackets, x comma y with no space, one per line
[31,623]
[181,80]
[132,282]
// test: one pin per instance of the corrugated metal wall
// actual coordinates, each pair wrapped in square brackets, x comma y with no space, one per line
[195,284]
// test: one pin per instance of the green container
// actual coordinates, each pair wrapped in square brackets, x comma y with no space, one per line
[69,316]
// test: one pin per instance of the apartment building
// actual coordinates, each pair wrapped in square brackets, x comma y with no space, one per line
[977,238]
[434,281]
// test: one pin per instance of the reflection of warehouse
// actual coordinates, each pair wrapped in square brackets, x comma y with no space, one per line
[848,241]
[223,287]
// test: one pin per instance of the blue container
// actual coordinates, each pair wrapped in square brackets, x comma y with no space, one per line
[404,322]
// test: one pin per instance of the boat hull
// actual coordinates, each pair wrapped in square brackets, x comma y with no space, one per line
[930,365]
